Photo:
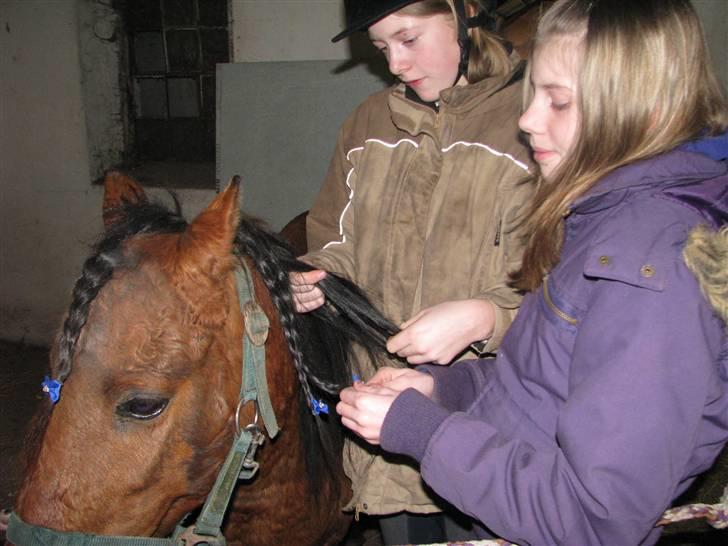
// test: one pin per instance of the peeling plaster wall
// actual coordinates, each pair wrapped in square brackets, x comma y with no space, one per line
[100,50]
[49,212]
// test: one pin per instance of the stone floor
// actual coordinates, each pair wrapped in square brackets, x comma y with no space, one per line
[22,369]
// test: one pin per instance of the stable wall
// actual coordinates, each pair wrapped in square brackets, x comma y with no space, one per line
[49,212]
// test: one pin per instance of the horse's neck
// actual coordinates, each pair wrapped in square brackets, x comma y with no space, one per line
[283,474]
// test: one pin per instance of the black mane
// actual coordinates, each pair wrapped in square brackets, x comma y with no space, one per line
[319,341]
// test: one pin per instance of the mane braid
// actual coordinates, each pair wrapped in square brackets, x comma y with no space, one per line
[348,310]
[319,341]
[100,266]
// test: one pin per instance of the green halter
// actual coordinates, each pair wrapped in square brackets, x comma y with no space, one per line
[239,464]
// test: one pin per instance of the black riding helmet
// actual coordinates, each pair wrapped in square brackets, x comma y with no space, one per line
[361,14]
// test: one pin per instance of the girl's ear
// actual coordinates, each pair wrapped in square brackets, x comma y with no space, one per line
[119,190]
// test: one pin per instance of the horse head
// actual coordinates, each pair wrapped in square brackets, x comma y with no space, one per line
[152,377]
[147,381]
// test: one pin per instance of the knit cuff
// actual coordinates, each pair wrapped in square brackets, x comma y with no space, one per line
[410,423]
[454,385]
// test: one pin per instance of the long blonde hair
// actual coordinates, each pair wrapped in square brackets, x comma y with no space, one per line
[646,85]
[488,55]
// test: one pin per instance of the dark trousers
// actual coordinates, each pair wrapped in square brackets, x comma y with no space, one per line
[407,528]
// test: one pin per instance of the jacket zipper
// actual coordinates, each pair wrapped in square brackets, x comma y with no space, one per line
[552,305]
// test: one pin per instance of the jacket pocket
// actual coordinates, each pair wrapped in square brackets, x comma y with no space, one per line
[556,309]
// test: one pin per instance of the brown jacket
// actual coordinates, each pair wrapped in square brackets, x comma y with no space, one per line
[418,208]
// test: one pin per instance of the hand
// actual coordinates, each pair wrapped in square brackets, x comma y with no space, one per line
[399,379]
[439,333]
[363,408]
[306,295]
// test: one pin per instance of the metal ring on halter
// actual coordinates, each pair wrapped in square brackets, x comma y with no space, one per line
[237,416]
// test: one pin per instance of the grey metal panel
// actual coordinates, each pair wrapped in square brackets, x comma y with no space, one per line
[276,127]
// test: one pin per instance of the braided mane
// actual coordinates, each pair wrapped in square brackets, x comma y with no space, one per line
[319,341]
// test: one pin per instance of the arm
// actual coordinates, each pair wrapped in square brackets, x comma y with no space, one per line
[439,333]
[442,332]
[364,406]
[624,438]
[503,298]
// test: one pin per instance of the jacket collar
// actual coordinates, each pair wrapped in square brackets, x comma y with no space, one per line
[414,117]
[679,173]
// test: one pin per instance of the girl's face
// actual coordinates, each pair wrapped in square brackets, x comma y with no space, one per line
[552,118]
[423,52]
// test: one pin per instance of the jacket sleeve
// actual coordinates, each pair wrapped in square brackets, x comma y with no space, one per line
[330,222]
[624,436]
[510,232]
[458,385]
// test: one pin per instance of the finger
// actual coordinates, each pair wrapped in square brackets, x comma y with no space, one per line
[364,433]
[411,321]
[419,359]
[306,277]
[309,295]
[296,279]
[308,306]
[398,342]
[302,288]
[347,395]
[369,388]
[344,410]
[313,276]
[382,375]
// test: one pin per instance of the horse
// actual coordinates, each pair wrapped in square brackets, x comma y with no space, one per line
[148,382]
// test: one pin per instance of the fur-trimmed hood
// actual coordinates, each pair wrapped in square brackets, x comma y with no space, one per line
[706,255]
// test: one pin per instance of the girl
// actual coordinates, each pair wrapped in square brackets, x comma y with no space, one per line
[418,207]
[610,391]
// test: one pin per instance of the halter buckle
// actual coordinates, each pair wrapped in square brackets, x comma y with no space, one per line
[189,537]
[250,465]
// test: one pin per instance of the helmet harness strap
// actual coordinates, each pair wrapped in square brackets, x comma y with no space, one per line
[481,19]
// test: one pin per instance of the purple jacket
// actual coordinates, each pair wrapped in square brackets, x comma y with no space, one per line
[610,391]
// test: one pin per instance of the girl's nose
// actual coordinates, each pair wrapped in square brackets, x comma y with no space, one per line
[398,63]
[528,122]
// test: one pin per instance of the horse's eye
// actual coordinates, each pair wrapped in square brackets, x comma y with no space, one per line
[143,408]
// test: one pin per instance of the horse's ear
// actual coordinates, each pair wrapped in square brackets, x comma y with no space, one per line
[214,228]
[119,190]
[206,254]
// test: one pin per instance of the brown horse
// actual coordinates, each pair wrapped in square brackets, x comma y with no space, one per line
[150,357]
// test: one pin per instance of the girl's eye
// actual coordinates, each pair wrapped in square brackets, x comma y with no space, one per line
[560,107]
[410,41]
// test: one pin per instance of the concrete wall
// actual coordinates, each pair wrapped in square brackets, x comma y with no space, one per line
[714,16]
[49,212]
[46,201]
